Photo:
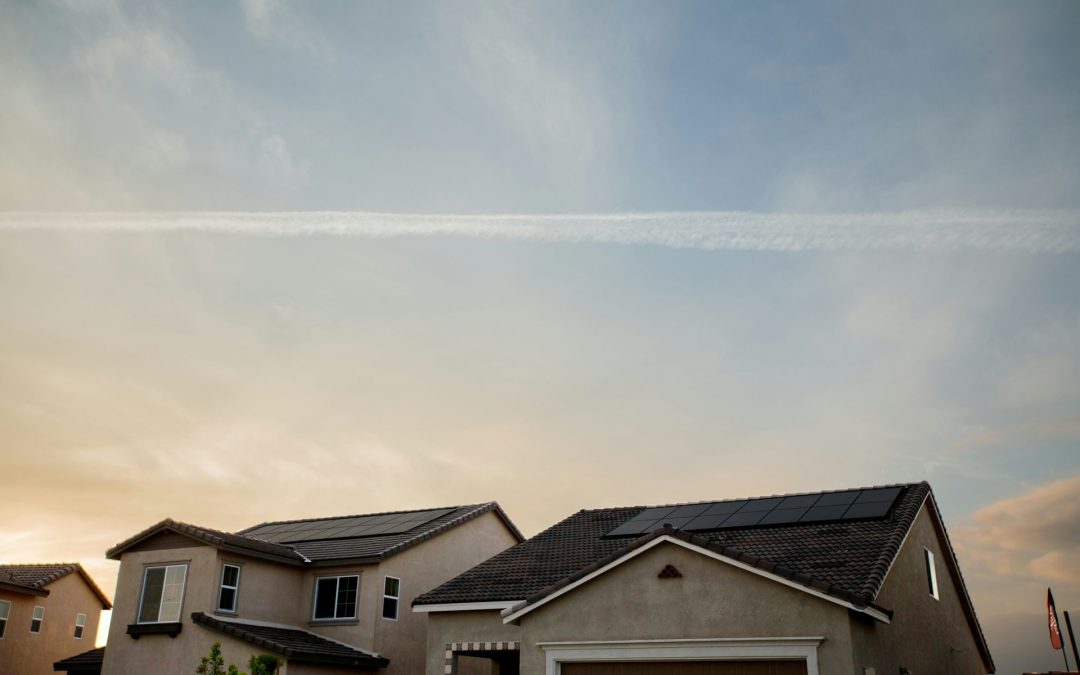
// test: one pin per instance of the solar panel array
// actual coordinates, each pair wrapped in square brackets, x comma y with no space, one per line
[344,528]
[816,508]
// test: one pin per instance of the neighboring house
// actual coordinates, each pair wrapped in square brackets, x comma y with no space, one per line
[860,581]
[326,595]
[47,612]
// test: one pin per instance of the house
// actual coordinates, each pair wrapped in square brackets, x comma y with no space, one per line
[859,581]
[325,595]
[47,612]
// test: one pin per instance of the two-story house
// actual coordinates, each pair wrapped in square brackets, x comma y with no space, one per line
[325,595]
[47,612]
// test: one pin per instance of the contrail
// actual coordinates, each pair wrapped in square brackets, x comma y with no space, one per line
[1031,231]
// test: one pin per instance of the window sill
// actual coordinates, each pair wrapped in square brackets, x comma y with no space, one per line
[334,622]
[222,612]
[137,630]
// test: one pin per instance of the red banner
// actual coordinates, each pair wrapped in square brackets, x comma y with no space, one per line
[1051,613]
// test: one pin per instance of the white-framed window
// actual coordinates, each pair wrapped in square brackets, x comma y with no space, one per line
[335,598]
[80,625]
[230,587]
[931,574]
[391,596]
[37,619]
[162,593]
[5,612]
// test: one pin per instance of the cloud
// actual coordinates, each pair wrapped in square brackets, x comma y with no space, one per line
[276,22]
[1034,231]
[1034,534]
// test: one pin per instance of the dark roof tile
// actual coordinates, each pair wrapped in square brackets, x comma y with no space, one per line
[34,577]
[295,644]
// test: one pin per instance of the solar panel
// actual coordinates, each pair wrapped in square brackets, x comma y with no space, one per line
[868,510]
[767,504]
[878,495]
[342,528]
[744,518]
[819,513]
[780,516]
[796,509]
[836,498]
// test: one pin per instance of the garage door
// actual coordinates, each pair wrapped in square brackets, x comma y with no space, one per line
[687,668]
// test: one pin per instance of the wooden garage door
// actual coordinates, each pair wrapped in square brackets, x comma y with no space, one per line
[687,668]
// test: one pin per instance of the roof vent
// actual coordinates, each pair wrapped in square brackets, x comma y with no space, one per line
[669,572]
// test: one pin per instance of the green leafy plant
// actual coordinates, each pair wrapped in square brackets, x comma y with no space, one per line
[214,664]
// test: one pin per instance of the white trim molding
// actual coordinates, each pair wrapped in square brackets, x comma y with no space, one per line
[467,606]
[708,649]
[510,615]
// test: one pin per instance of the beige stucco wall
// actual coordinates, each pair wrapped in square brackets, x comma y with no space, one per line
[449,627]
[161,653]
[422,568]
[360,631]
[26,653]
[926,635]
[712,600]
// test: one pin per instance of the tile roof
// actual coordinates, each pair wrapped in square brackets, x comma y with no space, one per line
[848,559]
[212,537]
[852,556]
[87,662]
[383,546]
[319,551]
[34,577]
[295,644]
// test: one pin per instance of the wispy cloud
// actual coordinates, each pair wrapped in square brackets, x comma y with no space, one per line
[278,22]
[1031,231]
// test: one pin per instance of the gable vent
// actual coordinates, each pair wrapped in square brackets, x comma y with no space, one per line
[669,572]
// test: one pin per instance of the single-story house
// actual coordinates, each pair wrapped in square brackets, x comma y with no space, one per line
[861,581]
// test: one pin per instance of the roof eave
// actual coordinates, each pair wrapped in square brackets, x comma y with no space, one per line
[25,590]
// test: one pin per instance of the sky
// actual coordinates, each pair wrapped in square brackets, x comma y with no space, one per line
[268,260]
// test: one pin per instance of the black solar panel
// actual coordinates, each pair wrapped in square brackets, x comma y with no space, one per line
[344,528]
[816,508]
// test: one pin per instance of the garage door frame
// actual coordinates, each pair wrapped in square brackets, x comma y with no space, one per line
[696,649]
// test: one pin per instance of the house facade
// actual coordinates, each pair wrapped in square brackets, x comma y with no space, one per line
[47,612]
[325,596]
[859,581]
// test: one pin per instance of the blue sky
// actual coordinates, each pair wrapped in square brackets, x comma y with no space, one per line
[854,261]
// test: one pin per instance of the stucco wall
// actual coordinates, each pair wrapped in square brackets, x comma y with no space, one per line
[268,591]
[450,627]
[711,600]
[422,568]
[926,635]
[359,632]
[26,653]
[263,596]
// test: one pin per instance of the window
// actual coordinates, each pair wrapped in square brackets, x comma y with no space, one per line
[162,594]
[931,574]
[5,612]
[335,597]
[230,586]
[80,624]
[39,616]
[391,594]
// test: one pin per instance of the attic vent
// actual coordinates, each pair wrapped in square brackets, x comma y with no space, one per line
[669,572]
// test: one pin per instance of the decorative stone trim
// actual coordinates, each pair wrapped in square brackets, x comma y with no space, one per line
[452,648]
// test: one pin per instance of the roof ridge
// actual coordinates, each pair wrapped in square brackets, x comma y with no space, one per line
[356,515]
[772,496]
